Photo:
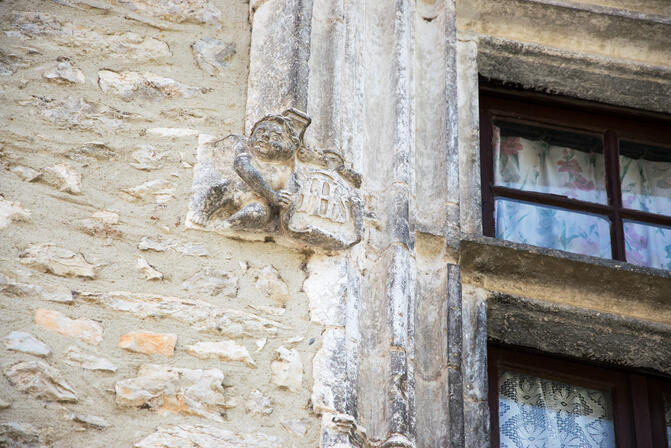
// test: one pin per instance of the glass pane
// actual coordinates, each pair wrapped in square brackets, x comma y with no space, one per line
[647,244]
[538,412]
[645,174]
[545,160]
[667,417]
[552,227]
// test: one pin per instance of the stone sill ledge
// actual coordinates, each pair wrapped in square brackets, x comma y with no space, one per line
[562,277]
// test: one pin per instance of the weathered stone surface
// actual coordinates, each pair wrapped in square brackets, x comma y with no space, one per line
[166,389]
[157,190]
[19,289]
[81,113]
[101,224]
[213,282]
[64,72]
[147,243]
[87,330]
[200,315]
[126,45]
[149,272]
[225,350]
[258,404]
[172,132]
[12,212]
[193,249]
[89,420]
[92,151]
[64,177]
[287,369]
[149,343]
[146,85]
[40,380]
[212,54]
[192,11]
[269,310]
[57,260]
[4,404]
[25,172]
[326,288]
[296,426]
[270,283]
[74,356]
[190,436]
[19,435]
[147,158]
[26,343]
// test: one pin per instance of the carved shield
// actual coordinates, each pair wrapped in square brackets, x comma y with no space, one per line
[326,209]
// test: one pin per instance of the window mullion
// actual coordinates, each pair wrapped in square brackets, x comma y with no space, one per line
[638,387]
[614,194]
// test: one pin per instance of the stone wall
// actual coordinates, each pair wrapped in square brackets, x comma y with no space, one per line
[120,327]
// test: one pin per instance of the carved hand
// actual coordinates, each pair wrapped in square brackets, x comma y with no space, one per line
[282,198]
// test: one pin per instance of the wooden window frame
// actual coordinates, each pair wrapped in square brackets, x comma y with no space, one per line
[612,124]
[637,399]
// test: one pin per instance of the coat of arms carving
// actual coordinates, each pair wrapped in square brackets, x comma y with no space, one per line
[272,184]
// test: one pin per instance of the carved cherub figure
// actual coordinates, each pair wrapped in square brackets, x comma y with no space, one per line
[264,164]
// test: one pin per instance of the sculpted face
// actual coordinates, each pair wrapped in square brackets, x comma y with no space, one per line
[271,141]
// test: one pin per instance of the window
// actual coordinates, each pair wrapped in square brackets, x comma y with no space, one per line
[588,181]
[539,401]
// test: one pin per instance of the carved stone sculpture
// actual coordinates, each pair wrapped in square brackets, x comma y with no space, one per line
[272,185]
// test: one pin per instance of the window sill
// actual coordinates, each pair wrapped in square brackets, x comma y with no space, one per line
[576,280]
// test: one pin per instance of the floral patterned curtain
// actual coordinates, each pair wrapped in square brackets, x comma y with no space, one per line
[540,413]
[537,165]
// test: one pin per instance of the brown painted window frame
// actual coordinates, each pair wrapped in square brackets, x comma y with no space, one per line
[638,407]
[611,123]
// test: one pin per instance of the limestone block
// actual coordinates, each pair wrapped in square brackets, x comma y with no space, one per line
[40,380]
[87,330]
[89,420]
[213,282]
[19,435]
[258,404]
[270,283]
[149,343]
[126,45]
[25,172]
[287,369]
[57,260]
[4,404]
[65,73]
[326,287]
[224,350]
[64,177]
[81,113]
[147,158]
[147,243]
[149,272]
[74,356]
[212,55]
[166,389]
[147,85]
[12,212]
[296,426]
[157,190]
[192,11]
[19,289]
[193,249]
[26,343]
[100,224]
[172,132]
[200,315]
[92,150]
[198,436]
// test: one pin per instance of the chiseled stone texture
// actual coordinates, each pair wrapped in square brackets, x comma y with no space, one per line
[40,380]
[57,260]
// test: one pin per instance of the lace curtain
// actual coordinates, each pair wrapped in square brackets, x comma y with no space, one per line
[535,165]
[540,413]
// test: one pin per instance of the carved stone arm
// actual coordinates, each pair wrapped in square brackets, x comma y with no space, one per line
[249,174]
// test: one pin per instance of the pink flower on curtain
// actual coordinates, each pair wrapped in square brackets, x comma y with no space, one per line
[511,146]
[636,240]
[569,165]
[664,183]
[581,183]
